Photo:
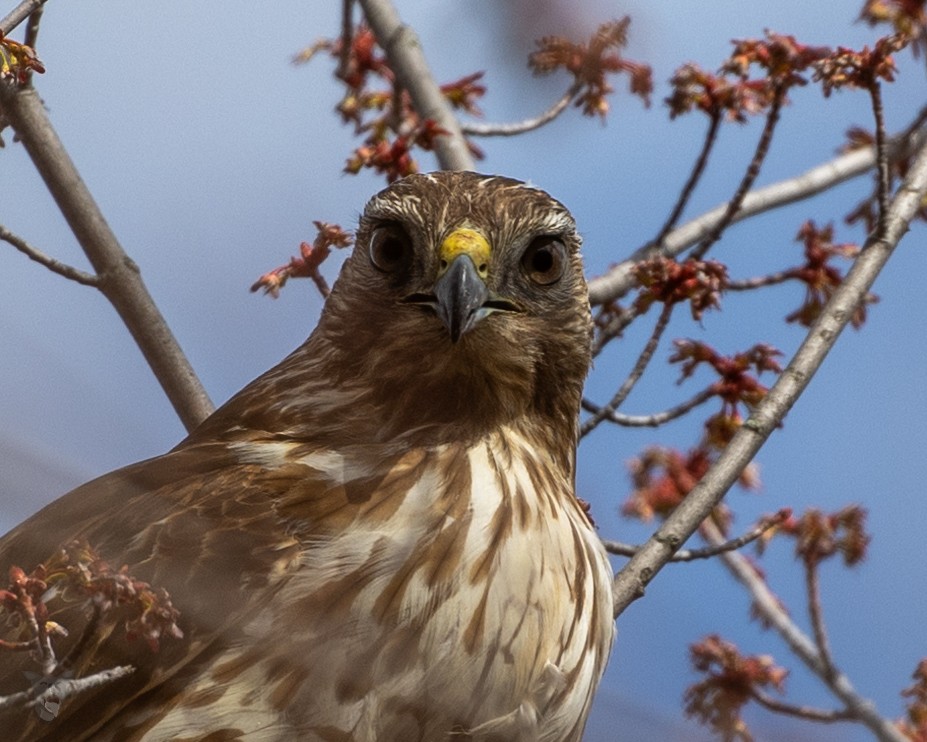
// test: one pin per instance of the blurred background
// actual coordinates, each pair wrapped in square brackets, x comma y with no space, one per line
[210,155]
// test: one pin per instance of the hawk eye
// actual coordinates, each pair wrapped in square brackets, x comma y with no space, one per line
[545,260]
[390,248]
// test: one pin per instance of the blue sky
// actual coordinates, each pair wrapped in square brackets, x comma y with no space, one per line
[210,156]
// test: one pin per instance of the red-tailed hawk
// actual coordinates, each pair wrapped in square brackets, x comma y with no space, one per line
[379,538]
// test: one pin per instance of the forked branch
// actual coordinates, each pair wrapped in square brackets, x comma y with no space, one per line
[770,609]
[713,549]
[632,580]
[603,413]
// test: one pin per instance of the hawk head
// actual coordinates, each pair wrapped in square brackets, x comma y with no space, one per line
[461,308]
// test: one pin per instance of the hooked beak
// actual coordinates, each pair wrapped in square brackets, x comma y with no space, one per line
[460,294]
[461,298]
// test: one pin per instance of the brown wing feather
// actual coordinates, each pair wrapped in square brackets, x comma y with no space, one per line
[194,522]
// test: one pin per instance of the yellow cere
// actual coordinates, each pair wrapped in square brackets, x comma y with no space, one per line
[469,242]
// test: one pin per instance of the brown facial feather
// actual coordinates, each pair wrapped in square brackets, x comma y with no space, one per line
[378,538]
[391,362]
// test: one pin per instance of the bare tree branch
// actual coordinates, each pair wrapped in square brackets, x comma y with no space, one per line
[748,284]
[56,266]
[117,275]
[611,321]
[816,614]
[711,136]
[402,48]
[19,14]
[639,367]
[17,646]
[746,183]
[655,419]
[712,550]
[802,646]
[32,28]
[884,174]
[520,127]
[347,31]
[15,699]
[618,280]
[632,580]
[802,712]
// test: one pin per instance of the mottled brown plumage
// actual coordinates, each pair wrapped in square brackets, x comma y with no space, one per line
[379,538]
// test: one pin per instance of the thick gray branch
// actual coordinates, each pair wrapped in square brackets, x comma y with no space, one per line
[406,59]
[19,14]
[118,277]
[632,580]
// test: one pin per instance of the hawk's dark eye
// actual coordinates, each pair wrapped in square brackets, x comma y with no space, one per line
[545,260]
[390,248]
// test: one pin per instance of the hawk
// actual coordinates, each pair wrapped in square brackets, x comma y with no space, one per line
[379,538]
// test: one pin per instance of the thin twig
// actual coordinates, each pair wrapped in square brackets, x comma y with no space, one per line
[712,550]
[20,13]
[655,419]
[32,27]
[56,266]
[402,48]
[520,127]
[883,174]
[17,699]
[36,628]
[7,646]
[118,276]
[749,284]
[746,183]
[347,35]
[768,606]
[698,168]
[611,322]
[639,367]
[808,713]
[631,582]
[619,280]
[816,614]
[321,284]
[46,651]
